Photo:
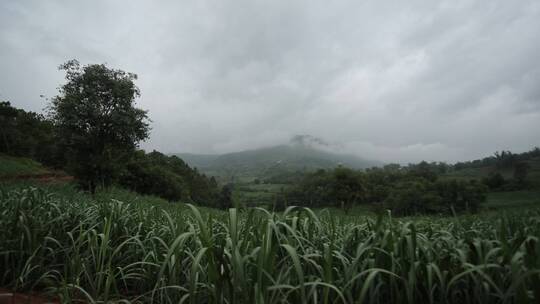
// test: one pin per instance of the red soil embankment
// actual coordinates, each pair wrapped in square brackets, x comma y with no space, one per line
[53,177]
[8,297]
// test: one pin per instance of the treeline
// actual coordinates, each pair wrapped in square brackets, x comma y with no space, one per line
[27,134]
[416,190]
[500,160]
[92,132]
[421,188]
[515,164]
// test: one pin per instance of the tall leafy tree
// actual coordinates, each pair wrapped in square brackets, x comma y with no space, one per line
[98,123]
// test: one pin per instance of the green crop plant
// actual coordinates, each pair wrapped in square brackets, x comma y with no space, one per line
[98,250]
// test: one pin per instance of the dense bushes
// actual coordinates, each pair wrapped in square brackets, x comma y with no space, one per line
[412,197]
[404,191]
[495,181]
[168,177]
[339,187]
[446,196]
[27,134]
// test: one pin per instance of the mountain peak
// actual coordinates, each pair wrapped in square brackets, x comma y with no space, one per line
[304,152]
[306,140]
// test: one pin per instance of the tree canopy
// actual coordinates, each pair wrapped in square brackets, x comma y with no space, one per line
[97,121]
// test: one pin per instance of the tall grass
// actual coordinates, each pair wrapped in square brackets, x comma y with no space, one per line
[99,251]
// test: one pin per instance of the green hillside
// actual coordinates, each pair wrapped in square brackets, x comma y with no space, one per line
[267,162]
[198,160]
[19,166]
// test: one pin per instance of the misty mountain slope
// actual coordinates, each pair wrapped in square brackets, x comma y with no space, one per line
[198,160]
[263,161]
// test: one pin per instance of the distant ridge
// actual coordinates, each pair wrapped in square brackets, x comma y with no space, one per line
[303,153]
[198,160]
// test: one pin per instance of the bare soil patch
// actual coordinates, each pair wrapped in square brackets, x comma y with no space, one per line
[9,297]
[52,177]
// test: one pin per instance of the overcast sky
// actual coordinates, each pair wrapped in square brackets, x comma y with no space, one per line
[394,81]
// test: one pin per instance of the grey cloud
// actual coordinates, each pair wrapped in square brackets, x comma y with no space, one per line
[437,80]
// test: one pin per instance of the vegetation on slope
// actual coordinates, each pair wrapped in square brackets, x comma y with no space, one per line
[268,162]
[12,167]
[27,134]
[171,178]
[92,132]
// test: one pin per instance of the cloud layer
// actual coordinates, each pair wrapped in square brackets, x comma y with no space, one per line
[434,80]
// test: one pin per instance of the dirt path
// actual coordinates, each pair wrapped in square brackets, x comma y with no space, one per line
[53,177]
[8,297]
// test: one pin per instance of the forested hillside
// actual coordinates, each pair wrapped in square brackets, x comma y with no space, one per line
[272,161]
[94,137]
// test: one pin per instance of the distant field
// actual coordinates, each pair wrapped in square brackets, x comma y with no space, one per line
[513,199]
[534,174]
[496,201]
[262,194]
[19,166]
[257,194]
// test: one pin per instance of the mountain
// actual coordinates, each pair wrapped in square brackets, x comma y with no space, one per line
[198,160]
[265,162]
